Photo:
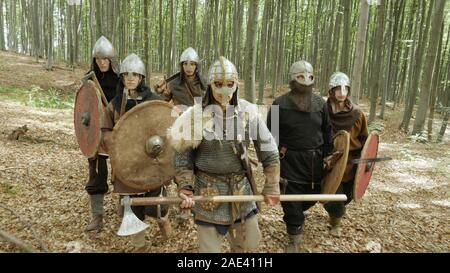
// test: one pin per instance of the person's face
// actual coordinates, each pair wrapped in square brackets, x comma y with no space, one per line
[340,93]
[131,80]
[223,91]
[103,64]
[189,68]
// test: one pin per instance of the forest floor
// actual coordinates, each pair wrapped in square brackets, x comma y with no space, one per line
[43,174]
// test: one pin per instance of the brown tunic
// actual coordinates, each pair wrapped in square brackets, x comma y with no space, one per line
[183,92]
[112,116]
[354,121]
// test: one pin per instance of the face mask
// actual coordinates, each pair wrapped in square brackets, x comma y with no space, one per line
[224,89]
[225,92]
[306,80]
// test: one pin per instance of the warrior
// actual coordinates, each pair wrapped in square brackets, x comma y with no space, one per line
[183,87]
[105,66]
[212,163]
[305,138]
[345,116]
[132,91]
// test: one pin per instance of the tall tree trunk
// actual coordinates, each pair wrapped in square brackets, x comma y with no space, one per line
[238,61]
[317,32]
[376,76]
[438,17]
[50,35]
[408,74]
[275,47]
[146,39]
[207,34]
[346,48]
[263,51]
[435,82]
[109,17]
[387,72]
[282,42]
[69,34]
[14,43]
[161,35]
[96,5]
[2,28]
[250,51]
[360,49]
[174,38]
[93,22]
[194,23]
[223,36]
[446,114]
[395,50]
[23,25]
[215,31]
[416,72]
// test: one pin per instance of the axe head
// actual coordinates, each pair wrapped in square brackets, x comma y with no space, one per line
[130,223]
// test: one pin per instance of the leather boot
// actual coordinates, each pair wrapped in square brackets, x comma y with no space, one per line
[164,227]
[294,243]
[138,241]
[120,208]
[97,213]
[335,223]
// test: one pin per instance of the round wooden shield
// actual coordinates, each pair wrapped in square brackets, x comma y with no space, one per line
[131,161]
[333,179]
[88,119]
[364,171]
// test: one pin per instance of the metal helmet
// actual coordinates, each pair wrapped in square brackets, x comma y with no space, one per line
[223,69]
[340,79]
[189,55]
[103,49]
[132,64]
[302,68]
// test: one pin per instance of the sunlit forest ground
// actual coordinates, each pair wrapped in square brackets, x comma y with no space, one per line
[43,174]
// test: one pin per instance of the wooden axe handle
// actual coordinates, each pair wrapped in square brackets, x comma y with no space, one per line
[148,201]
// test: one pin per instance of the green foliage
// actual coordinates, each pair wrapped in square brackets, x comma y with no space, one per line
[7,189]
[52,98]
[37,97]
[376,127]
[11,90]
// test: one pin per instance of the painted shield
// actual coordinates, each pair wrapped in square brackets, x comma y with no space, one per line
[88,118]
[333,179]
[364,171]
[140,154]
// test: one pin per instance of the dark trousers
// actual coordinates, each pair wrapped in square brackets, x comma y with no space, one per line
[294,216]
[151,211]
[98,176]
[337,209]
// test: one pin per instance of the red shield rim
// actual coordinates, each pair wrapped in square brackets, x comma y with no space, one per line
[88,103]
[365,170]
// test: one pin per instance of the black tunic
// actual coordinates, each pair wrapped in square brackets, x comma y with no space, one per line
[108,81]
[307,136]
